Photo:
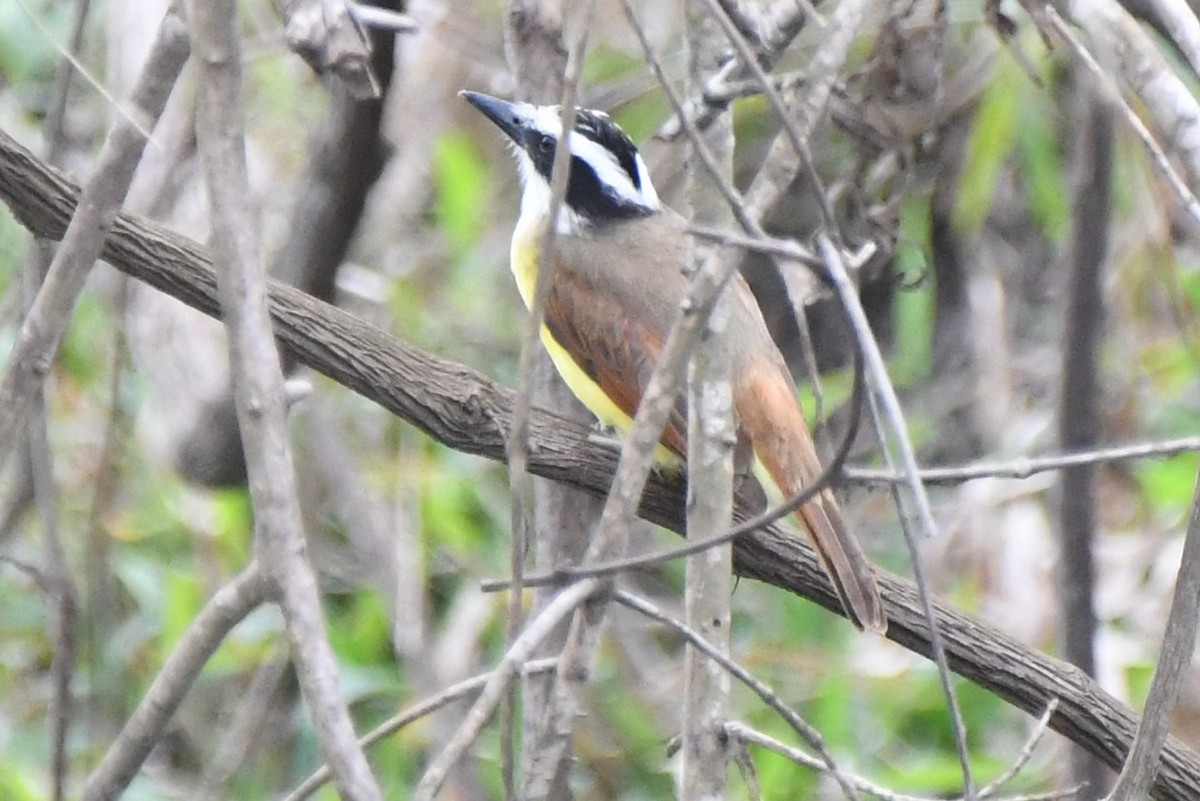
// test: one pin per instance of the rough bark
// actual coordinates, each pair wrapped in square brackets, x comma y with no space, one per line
[465,410]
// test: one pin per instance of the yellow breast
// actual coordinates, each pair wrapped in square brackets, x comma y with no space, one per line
[523,261]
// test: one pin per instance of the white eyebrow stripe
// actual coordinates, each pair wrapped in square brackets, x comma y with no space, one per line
[547,119]
[610,173]
[649,194]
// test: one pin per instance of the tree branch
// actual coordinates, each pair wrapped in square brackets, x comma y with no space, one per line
[1178,645]
[465,410]
[259,395]
[228,607]
[47,320]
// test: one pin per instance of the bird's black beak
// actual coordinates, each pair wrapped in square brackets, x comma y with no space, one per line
[511,118]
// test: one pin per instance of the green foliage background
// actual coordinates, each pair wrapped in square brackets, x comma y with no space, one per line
[163,546]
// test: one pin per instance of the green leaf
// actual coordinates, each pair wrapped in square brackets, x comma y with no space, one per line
[993,135]
[914,309]
[1045,181]
[1168,483]
[233,523]
[16,786]
[26,52]
[182,602]
[835,389]
[459,174]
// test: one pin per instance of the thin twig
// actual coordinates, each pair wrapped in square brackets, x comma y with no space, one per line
[886,394]
[259,394]
[1191,205]
[1028,466]
[143,731]
[43,328]
[56,112]
[518,438]
[1179,643]
[768,696]
[142,126]
[498,682]
[235,742]
[743,733]
[788,249]
[1025,754]
[428,706]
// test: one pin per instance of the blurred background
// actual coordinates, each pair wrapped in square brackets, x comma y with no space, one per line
[965,156]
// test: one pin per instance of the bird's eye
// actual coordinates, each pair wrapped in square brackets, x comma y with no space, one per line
[545,143]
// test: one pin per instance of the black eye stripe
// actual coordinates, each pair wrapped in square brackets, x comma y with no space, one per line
[590,198]
[604,132]
[587,195]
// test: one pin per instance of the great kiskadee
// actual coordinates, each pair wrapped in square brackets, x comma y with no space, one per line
[616,290]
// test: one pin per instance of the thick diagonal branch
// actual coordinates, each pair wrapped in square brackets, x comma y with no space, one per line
[465,410]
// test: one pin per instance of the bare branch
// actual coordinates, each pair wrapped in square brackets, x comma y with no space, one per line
[770,30]
[260,395]
[806,110]
[228,607]
[711,437]
[42,331]
[1169,102]
[886,394]
[1079,401]
[327,35]
[531,346]
[768,696]
[795,138]
[498,682]
[561,519]
[465,410]
[61,597]
[235,742]
[1179,644]
[462,689]
[740,732]
[1179,20]
[1029,466]
[1035,736]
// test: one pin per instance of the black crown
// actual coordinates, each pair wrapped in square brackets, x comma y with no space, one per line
[599,127]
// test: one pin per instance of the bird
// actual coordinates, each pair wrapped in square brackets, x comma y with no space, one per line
[616,288]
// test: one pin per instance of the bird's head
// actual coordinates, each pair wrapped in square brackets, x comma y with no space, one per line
[608,180]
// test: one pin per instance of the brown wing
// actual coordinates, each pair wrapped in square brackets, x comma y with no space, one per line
[612,344]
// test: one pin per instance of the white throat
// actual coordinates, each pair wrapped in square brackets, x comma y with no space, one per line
[535,202]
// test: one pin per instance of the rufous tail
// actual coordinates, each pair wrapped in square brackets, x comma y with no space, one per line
[771,417]
[847,566]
